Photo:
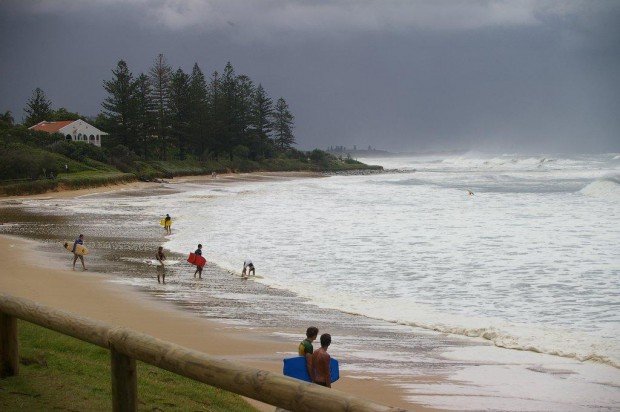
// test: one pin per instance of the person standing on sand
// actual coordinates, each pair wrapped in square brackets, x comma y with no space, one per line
[198,252]
[306,349]
[321,363]
[248,267]
[78,241]
[168,224]
[161,271]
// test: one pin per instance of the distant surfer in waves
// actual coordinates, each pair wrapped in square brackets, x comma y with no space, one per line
[248,267]
[78,241]
[306,349]
[321,363]
[198,252]
[470,193]
[168,224]
[161,271]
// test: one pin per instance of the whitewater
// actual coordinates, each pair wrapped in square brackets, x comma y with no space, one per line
[530,261]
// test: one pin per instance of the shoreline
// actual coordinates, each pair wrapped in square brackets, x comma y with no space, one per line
[162,319]
[416,366]
[63,193]
[94,295]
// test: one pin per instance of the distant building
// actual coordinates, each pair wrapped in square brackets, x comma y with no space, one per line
[72,130]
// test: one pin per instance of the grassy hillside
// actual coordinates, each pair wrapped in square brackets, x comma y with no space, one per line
[36,162]
[59,372]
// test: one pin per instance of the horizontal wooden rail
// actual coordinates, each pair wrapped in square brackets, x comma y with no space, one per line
[128,345]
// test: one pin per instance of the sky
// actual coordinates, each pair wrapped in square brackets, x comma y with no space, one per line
[401,75]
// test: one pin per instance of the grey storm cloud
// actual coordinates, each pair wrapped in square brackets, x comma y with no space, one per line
[264,17]
[395,74]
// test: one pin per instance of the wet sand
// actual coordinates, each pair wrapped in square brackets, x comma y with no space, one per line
[91,294]
[215,326]
[258,325]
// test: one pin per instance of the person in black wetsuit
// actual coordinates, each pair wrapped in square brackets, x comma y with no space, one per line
[198,252]
[161,270]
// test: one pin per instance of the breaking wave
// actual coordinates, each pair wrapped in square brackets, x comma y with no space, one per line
[607,187]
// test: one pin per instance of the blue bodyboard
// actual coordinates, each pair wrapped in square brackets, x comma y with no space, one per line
[295,367]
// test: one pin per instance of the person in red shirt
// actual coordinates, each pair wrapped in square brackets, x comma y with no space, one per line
[320,363]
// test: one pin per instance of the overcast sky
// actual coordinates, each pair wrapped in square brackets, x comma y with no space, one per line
[512,75]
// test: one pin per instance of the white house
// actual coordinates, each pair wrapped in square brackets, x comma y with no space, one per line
[75,130]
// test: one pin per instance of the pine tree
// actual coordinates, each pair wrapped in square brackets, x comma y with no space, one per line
[242,110]
[38,108]
[283,125]
[215,114]
[6,120]
[180,111]
[198,111]
[119,106]
[261,124]
[226,112]
[145,116]
[160,76]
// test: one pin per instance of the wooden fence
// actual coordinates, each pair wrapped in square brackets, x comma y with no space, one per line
[126,346]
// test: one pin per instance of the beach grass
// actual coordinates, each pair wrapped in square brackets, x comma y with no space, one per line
[94,178]
[60,372]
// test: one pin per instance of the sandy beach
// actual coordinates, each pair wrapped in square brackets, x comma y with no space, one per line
[50,281]
[256,322]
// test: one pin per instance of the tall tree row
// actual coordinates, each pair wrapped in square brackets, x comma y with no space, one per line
[168,114]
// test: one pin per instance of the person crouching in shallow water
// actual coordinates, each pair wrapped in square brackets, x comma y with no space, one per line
[248,268]
[78,241]
[161,270]
[198,252]
[320,363]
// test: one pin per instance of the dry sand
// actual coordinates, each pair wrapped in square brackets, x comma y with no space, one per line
[93,295]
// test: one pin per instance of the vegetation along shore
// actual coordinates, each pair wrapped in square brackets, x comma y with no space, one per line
[159,124]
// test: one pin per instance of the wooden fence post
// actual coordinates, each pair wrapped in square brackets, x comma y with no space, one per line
[124,382]
[9,348]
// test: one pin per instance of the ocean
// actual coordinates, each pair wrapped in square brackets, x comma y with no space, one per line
[530,261]
[504,299]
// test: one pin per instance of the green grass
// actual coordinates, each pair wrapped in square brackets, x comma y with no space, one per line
[59,372]
[92,173]
[78,180]
[28,187]
[86,179]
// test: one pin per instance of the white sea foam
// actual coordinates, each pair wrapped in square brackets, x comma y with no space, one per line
[608,187]
[529,262]
[523,263]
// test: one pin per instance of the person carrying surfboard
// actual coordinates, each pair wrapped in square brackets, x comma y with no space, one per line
[78,241]
[198,252]
[168,224]
[321,363]
[306,349]
[160,255]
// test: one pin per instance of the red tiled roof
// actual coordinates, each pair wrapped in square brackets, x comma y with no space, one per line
[51,127]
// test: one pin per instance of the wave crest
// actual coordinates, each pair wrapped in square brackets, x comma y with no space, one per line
[607,187]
